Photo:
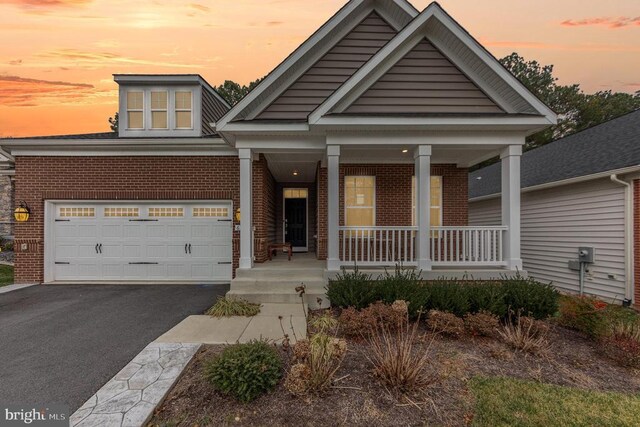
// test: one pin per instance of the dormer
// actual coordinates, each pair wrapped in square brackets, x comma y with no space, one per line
[176,106]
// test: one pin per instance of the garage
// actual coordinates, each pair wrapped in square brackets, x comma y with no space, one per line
[138,241]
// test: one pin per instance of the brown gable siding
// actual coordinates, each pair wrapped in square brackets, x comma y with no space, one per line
[424,81]
[212,110]
[330,72]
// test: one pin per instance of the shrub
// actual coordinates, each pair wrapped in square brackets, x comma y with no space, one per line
[487,297]
[228,307]
[622,342]
[525,334]
[448,295]
[585,314]
[396,361]
[324,323]
[403,285]
[245,371]
[362,322]
[532,298]
[319,360]
[445,323]
[482,324]
[351,289]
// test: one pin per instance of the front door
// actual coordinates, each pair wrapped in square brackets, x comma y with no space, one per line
[295,223]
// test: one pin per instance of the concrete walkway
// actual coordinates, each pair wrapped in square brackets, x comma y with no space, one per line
[272,323]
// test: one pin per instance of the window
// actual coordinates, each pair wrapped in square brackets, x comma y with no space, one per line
[166,212]
[77,212]
[135,110]
[360,195]
[183,110]
[210,212]
[159,105]
[296,193]
[121,212]
[436,201]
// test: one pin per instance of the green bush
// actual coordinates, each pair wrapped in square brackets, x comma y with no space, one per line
[229,307]
[530,297]
[526,296]
[245,371]
[352,289]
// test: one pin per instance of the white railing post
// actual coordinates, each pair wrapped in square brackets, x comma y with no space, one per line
[246,208]
[333,208]
[423,206]
[511,205]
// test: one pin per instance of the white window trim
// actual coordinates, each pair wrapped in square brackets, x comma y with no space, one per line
[346,207]
[414,199]
[135,110]
[154,110]
[176,110]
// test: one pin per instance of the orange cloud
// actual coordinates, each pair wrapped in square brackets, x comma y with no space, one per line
[103,58]
[45,3]
[199,7]
[24,92]
[620,22]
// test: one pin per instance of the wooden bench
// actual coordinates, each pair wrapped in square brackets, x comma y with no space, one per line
[274,248]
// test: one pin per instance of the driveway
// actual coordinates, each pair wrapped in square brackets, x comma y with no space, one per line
[60,344]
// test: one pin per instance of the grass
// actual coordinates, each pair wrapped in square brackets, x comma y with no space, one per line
[510,402]
[6,275]
[228,307]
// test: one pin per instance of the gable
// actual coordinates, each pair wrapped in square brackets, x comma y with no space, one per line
[331,71]
[424,81]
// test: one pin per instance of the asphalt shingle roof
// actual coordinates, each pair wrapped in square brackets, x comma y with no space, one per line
[606,147]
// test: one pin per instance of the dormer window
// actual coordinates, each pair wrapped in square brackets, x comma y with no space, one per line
[184,106]
[135,109]
[159,109]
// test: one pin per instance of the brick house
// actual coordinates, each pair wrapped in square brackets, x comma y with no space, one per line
[581,191]
[354,150]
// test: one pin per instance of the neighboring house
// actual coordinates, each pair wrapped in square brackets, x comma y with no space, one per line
[6,197]
[382,106]
[579,191]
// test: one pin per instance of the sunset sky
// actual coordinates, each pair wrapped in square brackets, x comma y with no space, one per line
[57,57]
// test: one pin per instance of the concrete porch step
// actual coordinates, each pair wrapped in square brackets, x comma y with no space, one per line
[280,272]
[262,296]
[286,285]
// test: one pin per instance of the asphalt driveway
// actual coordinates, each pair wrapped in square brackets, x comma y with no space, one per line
[59,344]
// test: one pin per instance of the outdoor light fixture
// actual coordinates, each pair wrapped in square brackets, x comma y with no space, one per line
[238,214]
[295,173]
[405,151]
[22,212]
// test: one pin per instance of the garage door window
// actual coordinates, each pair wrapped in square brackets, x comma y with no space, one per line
[121,212]
[166,212]
[77,212]
[210,212]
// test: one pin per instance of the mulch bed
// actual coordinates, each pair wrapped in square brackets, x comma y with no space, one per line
[359,399]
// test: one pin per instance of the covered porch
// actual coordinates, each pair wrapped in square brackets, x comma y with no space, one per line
[364,211]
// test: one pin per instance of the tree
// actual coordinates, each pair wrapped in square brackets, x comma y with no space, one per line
[113,122]
[233,92]
[576,110]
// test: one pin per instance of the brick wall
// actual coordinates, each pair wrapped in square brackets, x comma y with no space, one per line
[393,195]
[636,241]
[264,208]
[111,178]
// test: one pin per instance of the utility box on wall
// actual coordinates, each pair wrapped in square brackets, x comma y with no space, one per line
[587,254]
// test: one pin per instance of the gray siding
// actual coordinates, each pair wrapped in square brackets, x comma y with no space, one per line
[212,110]
[555,222]
[331,71]
[424,81]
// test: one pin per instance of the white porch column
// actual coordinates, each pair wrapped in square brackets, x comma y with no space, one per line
[246,208]
[511,205]
[333,207]
[423,206]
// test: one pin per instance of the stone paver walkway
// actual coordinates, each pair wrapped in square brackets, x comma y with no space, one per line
[272,323]
[130,397]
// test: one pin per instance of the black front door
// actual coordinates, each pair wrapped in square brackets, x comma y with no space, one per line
[295,222]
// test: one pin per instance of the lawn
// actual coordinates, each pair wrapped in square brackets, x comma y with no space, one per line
[510,402]
[6,275]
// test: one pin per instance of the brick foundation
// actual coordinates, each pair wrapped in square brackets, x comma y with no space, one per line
[393,195]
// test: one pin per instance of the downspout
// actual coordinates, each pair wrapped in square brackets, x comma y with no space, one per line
[628,236]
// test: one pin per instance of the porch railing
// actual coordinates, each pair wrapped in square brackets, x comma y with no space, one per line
[450,246]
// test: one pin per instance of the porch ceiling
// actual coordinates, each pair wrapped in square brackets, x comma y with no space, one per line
[294,167]
[463,156]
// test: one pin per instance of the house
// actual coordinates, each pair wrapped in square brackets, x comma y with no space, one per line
[579,191]
[354,150]
[6,196]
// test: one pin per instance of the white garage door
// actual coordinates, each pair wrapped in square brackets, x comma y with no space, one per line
[148,241]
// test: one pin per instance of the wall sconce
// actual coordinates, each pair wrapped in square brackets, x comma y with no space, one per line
[238,215]
[22,212]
